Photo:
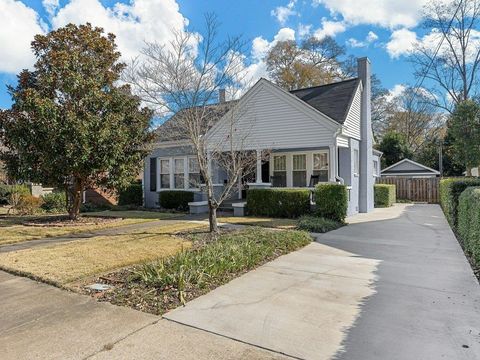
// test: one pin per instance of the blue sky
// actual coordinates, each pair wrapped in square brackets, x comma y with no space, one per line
[383,30]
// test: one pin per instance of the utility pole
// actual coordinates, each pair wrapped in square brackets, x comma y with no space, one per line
[440,158]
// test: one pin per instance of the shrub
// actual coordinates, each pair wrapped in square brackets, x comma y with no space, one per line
[54,202]
[469,222]
[131,195]
[28,205]
[89,207]
[6,191]
[385,195]
[331,201]
[175,199]
[450,190]
[317,224]
[218,261]
[281,203]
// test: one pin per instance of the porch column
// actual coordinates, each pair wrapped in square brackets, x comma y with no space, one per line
[209,164]
[258,175]
[332,159]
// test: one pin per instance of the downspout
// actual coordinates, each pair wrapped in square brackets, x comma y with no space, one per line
[335,154]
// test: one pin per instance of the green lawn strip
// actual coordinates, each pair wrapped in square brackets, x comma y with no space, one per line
[162,285]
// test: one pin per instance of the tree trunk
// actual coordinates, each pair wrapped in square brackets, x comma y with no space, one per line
[76,199]
[212,217]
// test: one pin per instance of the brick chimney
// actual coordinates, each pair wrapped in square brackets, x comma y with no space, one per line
[221,96]
[366,180]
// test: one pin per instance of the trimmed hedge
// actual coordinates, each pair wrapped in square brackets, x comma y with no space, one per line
[280,203]
[175,199]
[385,195]
[54,202]
[131,195]
[469,222]
[450,191]
[331,201]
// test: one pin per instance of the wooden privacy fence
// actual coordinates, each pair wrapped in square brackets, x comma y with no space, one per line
[415,189]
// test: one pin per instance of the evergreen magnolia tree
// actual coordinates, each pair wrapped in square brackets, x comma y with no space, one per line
[71,124]
[464,128]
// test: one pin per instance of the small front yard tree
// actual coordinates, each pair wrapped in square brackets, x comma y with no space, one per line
[185,77]
[72,124]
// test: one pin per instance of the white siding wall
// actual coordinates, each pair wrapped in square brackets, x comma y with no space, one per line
[269,119]
[351,126]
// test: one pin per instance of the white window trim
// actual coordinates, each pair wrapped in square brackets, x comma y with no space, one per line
[171,163]
[309,158]
[356,160]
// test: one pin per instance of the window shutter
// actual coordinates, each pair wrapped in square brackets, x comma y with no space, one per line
[153,174]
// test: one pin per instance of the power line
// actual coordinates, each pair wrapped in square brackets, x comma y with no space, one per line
[438,47]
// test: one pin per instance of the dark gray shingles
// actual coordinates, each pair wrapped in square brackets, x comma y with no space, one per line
[332,99]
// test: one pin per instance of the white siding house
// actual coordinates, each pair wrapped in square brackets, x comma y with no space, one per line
[317,134]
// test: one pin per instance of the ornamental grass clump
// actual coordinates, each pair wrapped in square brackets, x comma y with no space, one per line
[220,260]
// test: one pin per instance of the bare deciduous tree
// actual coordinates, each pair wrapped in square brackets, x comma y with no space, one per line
[454,68]
[413,115]
[184,77]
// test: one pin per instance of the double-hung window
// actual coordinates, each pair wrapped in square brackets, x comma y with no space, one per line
[299,170]
[279,171]
[179,174]
[164,174]
[193,173]
[320,166]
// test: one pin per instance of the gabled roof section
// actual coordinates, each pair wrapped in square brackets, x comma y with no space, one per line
[171,130]
[407,166]
[333,100]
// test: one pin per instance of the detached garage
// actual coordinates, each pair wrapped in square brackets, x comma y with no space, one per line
[409,169]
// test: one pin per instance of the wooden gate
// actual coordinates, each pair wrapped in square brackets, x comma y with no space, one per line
[414,189]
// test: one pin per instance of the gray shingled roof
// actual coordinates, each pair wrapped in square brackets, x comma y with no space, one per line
[170,131]
[331,99]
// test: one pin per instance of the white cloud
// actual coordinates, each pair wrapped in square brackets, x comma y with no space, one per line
[354,43]
[389,14]
[304,30]
[371,37]
[397,90]
[51,6]
[284,34]
[260,47]
[282,13]
[132,23]
[401,42]
[330,28]
[19,25]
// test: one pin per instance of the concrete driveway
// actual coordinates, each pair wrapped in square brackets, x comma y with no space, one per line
[392,285]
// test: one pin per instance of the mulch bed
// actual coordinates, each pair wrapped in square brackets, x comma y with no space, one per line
[64,220]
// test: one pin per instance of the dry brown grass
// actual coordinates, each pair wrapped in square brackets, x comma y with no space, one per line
[65,263]
[259,221]
[135,214]
[12,230]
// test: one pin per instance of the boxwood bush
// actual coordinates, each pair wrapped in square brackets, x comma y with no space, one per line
[281,203]
[54,202]
[469,222]
[175,199]
[450,190]
[385,195]
[331,201]
[131,195]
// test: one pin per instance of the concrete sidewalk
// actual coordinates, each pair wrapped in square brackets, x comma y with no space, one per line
[394,284]
[38,321]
